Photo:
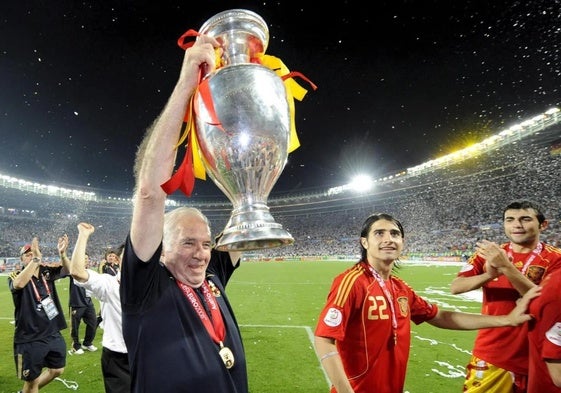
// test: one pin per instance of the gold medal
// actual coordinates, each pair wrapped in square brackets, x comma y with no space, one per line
[227,357]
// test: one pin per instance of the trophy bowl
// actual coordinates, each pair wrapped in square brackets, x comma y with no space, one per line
[245,153]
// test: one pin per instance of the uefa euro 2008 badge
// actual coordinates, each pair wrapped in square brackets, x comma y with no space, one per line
[333,317]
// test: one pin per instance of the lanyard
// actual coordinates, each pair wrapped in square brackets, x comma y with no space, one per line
[389,298]
[215,328]
[531,256]
[37,295]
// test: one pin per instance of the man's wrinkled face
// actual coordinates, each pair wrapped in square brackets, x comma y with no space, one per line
[189,254]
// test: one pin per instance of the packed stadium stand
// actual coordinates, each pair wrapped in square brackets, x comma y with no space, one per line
[445,205]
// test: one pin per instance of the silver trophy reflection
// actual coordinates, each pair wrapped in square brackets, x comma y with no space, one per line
[246,151]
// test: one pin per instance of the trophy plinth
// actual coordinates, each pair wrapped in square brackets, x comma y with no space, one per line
[252,227]
[246,152]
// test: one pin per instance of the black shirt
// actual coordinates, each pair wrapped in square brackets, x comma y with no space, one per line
[169,348]
[32,322]
[78,296]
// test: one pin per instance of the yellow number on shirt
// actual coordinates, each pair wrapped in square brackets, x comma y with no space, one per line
[378,309]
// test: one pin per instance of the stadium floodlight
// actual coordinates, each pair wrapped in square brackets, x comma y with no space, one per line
[552,111]
[361,183]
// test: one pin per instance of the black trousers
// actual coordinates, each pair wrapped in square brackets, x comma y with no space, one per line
[116,371]
[88,315]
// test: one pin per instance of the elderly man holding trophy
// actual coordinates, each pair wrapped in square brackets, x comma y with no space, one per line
[178,324]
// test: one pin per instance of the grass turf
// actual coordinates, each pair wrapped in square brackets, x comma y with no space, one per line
[277,304]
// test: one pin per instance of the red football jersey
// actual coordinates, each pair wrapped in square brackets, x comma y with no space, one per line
[545,334]
[361,319]
[507,347]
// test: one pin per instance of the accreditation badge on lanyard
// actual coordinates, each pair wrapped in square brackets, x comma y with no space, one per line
[49,307]
[47,302]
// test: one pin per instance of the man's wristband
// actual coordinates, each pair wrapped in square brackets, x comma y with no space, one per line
[328,355]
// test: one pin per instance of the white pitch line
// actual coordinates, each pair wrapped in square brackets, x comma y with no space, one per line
[309,332]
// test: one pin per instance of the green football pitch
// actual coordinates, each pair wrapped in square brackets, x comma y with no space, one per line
[277,305]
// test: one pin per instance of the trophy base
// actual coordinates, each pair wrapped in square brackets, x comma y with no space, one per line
[253,230]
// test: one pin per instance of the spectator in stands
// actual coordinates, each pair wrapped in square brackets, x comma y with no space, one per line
[504,273]
[82,308]
[114,361]
[363,333]
[178,324]
[39,347]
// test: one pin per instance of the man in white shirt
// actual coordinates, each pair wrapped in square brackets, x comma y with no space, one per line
[105,287]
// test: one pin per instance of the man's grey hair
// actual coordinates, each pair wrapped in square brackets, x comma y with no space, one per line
[170,223]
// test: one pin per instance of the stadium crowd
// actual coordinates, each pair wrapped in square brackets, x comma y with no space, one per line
[444,210]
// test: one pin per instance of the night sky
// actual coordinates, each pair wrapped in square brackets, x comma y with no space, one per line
[399,82]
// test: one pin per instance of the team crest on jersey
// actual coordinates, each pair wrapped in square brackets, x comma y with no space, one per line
[403,305]
[535,273]
[554,334]
[333,317]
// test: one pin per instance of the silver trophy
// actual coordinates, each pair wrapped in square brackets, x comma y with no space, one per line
[245,153]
